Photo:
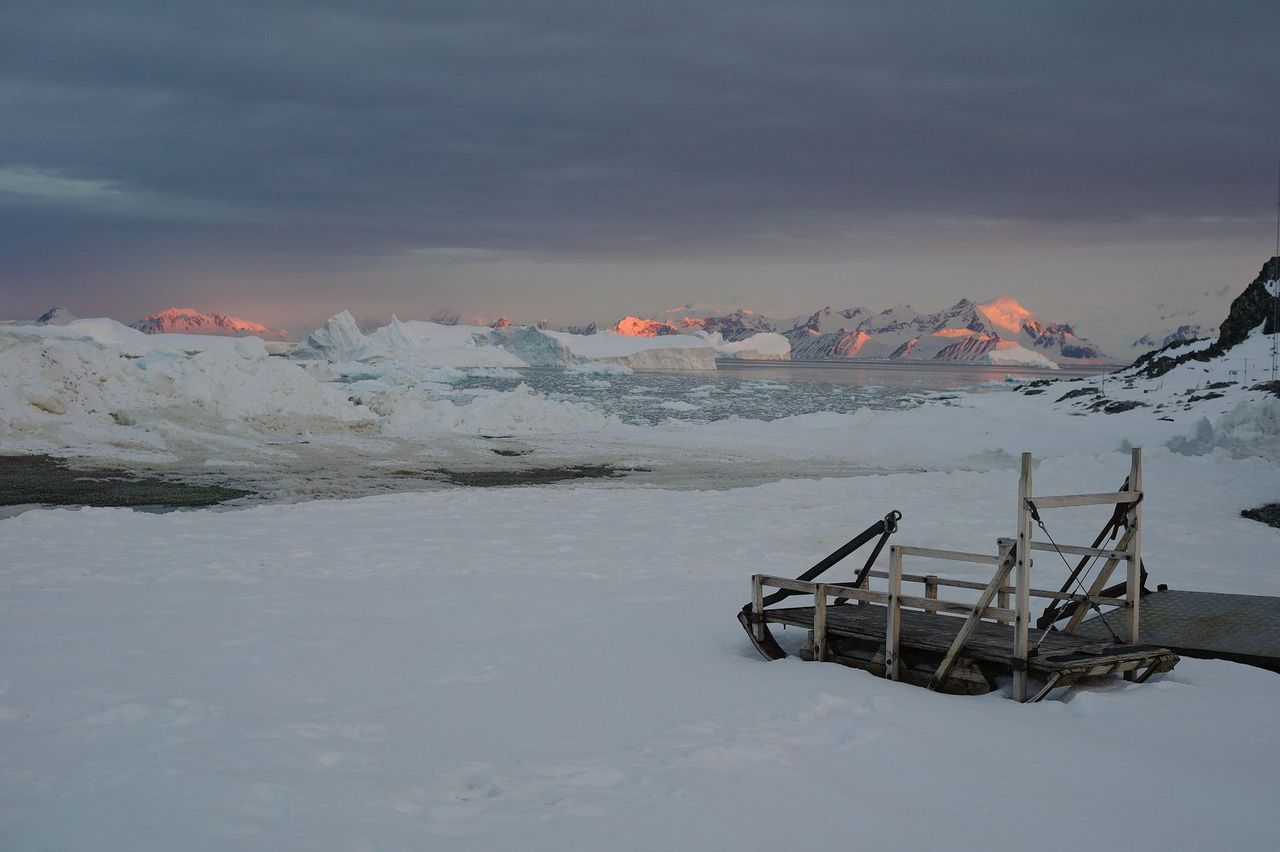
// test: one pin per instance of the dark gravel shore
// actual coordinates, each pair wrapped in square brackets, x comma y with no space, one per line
[47,481]
[1268,514]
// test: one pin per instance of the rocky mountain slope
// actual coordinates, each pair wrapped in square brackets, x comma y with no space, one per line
[967,332]
[1252,312]
[191,321]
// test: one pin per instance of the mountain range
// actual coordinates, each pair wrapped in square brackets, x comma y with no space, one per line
[967,331]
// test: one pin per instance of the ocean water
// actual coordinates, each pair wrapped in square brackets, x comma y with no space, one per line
[761,391]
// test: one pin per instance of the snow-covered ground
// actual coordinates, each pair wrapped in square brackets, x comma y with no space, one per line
[559,667]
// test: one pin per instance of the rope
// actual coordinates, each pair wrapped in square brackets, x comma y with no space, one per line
[1035,516]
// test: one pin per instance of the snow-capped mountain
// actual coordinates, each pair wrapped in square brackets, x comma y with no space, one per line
[191,321]
[967,331]
[630,326]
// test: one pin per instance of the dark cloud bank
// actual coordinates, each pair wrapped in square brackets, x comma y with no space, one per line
[284,139]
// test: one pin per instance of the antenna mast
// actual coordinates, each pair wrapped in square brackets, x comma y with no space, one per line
[1275,297]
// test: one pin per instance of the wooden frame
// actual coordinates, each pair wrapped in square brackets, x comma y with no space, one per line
[993,603]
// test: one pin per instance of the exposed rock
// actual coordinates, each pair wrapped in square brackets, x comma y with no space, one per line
[1253,308]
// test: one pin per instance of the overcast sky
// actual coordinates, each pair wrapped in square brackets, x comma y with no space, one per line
[575,160]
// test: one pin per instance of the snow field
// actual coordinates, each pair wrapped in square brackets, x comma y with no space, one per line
[558,668]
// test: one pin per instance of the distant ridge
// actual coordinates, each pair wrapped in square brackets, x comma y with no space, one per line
[191,321]
[965,332]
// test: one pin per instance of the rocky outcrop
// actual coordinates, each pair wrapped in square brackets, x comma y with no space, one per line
[1253,309]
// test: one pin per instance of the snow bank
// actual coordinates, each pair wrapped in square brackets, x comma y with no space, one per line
[1017,356]
[93,387]
[1248,430]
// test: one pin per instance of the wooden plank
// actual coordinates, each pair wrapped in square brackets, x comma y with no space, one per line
[893,616]
[1076,550]
[856,594]
[945,582]
[1022,583]
[931,587]
[757,606]
[935,605]
[952,555]
[1005,546]
[820,624]
[1133,591]
[787,583]
[1059,501]
[971,623]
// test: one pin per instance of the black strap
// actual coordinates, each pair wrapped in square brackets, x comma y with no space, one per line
[884,528]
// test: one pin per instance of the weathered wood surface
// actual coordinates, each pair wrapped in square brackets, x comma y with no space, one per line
[947,582]
[1077,550]
[989,642]
[950,555]
[1059,501]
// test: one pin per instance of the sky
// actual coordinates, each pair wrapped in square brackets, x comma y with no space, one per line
[579,161]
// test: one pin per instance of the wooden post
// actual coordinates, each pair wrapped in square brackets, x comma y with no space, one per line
[894,608]
[931,587]
[757,605]
[820,623]
[1002,597]
[1022,583]
[1133,586]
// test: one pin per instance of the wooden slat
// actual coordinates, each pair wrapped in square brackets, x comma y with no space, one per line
[820,624]
[786,583]
[1133,592]
[1022,583]
[952,555]
[757,606]
[1076,550]
[893,616]
[935,605]
[1062,500]
[1004,590]
[856,594]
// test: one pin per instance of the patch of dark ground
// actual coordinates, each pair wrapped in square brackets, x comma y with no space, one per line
[44,480]
[1268,514]
[532,475]
[1272,388]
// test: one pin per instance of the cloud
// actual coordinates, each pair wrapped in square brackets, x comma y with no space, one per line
[47,186]
[630,131]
